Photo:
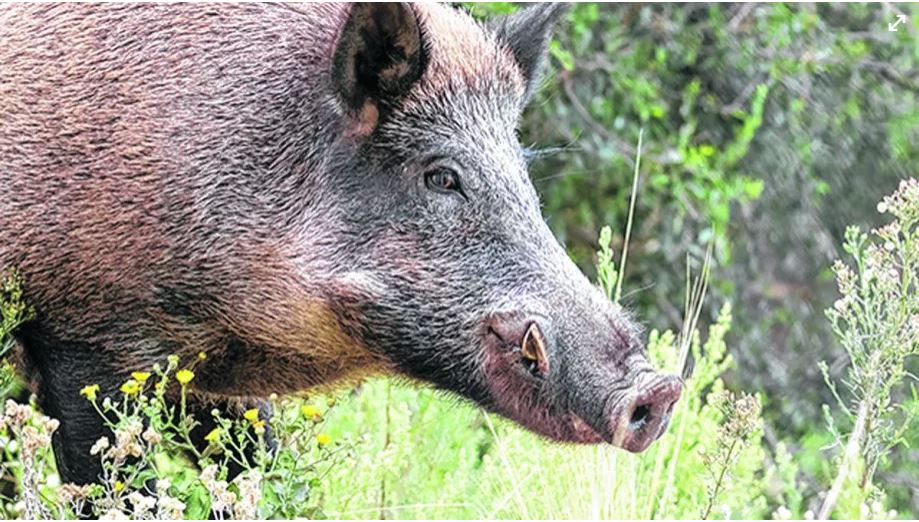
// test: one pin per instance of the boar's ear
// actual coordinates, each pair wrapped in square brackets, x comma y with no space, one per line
[526,33]
[378,57]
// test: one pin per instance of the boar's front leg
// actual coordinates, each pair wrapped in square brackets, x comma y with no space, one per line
[63,369]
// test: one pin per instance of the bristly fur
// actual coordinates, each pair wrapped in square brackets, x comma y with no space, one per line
[248,180]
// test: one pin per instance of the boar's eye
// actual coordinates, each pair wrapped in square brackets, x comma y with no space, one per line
[442,179]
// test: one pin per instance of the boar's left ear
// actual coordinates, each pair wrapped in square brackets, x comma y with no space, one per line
[526,33]
[378,57]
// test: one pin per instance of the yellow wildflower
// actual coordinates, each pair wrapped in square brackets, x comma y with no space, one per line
[323,439]
[213,436]
[130,387]
[251,415]
[310,412]
[119,485]
[202,356]
[90,391]
[140,377]
[259,427]
[184,376]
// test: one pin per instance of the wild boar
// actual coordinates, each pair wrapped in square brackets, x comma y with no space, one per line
[306,193]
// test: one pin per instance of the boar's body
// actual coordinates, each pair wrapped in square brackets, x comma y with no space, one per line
[163,182]
[304,193]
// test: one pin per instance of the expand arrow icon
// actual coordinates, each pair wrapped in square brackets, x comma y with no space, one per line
[892,26]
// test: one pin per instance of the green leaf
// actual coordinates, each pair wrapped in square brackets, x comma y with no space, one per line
[197,502]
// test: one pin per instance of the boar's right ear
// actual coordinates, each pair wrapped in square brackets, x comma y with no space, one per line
[526,33]
[378,57]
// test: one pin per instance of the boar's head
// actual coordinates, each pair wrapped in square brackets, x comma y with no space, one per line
[465,285]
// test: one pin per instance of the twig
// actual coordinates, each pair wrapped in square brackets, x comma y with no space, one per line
[621,146]
[628,226]
[720,481]
[851,454]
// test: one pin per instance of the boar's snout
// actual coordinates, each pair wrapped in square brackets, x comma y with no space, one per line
[644,418]
[559,390]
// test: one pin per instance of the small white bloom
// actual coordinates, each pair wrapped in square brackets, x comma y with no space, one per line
[114,514]
[99,446]
[162,485]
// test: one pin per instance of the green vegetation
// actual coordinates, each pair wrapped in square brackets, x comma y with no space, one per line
[13,312]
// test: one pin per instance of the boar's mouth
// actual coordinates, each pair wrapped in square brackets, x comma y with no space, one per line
[628,411]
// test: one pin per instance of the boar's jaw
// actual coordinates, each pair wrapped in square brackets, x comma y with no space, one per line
[632,418]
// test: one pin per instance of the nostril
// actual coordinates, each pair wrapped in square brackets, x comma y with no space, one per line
[640,415]
[648,414]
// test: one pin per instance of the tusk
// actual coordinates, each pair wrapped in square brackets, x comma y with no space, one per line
[533,348]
